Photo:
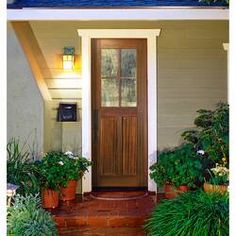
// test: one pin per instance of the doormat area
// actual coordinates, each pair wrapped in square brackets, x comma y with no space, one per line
[118,195]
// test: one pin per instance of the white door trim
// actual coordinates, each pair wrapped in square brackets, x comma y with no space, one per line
[151,36]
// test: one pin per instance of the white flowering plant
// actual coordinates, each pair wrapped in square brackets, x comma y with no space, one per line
[74,167]
[219,175]
[57,168]
[50,170]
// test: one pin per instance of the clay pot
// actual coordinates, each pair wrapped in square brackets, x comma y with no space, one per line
[50,198]
[169,191]
[68,192]
[182,188]
[215,188]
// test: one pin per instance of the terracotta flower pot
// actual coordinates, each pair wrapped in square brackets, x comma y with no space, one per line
[69,192]
[182,188]
[215,188]
[50,198]
[169,191]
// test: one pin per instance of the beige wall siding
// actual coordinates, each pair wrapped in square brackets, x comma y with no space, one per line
[192,73]
[24,101]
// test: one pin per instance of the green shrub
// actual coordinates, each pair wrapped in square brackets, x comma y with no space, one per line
[179,166]
[212,133]
[57,168]
[191,214]
[51,169]
[74,167]
[26,217]
[21,169]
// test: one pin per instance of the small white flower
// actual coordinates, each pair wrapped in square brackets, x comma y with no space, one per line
[201,152]
[69,153]
[61,163]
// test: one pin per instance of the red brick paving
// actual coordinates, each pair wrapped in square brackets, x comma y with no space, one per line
[88,216]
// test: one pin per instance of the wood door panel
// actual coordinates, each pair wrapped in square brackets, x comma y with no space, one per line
[108,146]
[129,145]
[119,108]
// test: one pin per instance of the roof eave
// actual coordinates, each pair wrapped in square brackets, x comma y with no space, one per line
[147,13]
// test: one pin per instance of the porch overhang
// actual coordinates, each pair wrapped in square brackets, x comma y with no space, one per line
[158,13]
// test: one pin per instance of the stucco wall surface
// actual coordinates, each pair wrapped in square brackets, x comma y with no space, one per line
[25,106]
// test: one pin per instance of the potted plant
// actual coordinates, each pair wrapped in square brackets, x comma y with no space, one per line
[161,173]
[50,170]
[219,178]
[178,170]
[187,168]
[73,169]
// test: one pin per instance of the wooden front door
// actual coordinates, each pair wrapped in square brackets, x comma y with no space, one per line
[119,112]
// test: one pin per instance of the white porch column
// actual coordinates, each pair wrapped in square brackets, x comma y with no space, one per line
[151,36]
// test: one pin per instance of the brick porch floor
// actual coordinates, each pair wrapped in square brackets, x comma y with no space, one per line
[106,214]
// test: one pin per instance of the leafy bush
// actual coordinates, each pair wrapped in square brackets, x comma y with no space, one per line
[21,169]
[159,169]
[179,166]
[74,167]
[26,217]
[211,137]
[192,214]
[212,133]
[57,168]
[50,170]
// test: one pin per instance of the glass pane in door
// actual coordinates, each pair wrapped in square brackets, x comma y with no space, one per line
[128,78]
[109,63]
[110,92]
[109,81]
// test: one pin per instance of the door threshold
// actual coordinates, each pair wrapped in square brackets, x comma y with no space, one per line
[115,189]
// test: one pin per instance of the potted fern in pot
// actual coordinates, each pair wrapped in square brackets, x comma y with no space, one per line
[74,168]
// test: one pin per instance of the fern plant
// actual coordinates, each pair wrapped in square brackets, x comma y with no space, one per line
[26,217]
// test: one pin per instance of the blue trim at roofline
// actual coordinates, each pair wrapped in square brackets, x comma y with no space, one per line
[106,3]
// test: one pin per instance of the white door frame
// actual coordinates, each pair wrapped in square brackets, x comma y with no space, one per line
[151,36]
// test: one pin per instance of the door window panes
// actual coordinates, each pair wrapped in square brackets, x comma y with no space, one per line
[118,78]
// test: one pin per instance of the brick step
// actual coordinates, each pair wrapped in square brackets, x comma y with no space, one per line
[102,231]
[99,221]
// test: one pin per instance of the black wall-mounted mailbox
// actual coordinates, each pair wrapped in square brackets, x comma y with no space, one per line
[67,112]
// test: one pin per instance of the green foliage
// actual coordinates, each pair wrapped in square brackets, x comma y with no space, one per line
[212,133]
[57,168]
[50,170]
[159,169]
[179,166]
[191,214]
[226,2]
[73,167]
[26,217]
[21,169]
[219,175]
[186,167]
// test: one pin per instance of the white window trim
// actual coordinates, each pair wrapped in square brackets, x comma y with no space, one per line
[151,36]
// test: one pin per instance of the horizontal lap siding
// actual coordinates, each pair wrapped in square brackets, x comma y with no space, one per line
[192,74]
[192,67]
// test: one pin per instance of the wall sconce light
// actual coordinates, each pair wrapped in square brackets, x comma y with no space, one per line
[68,58]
